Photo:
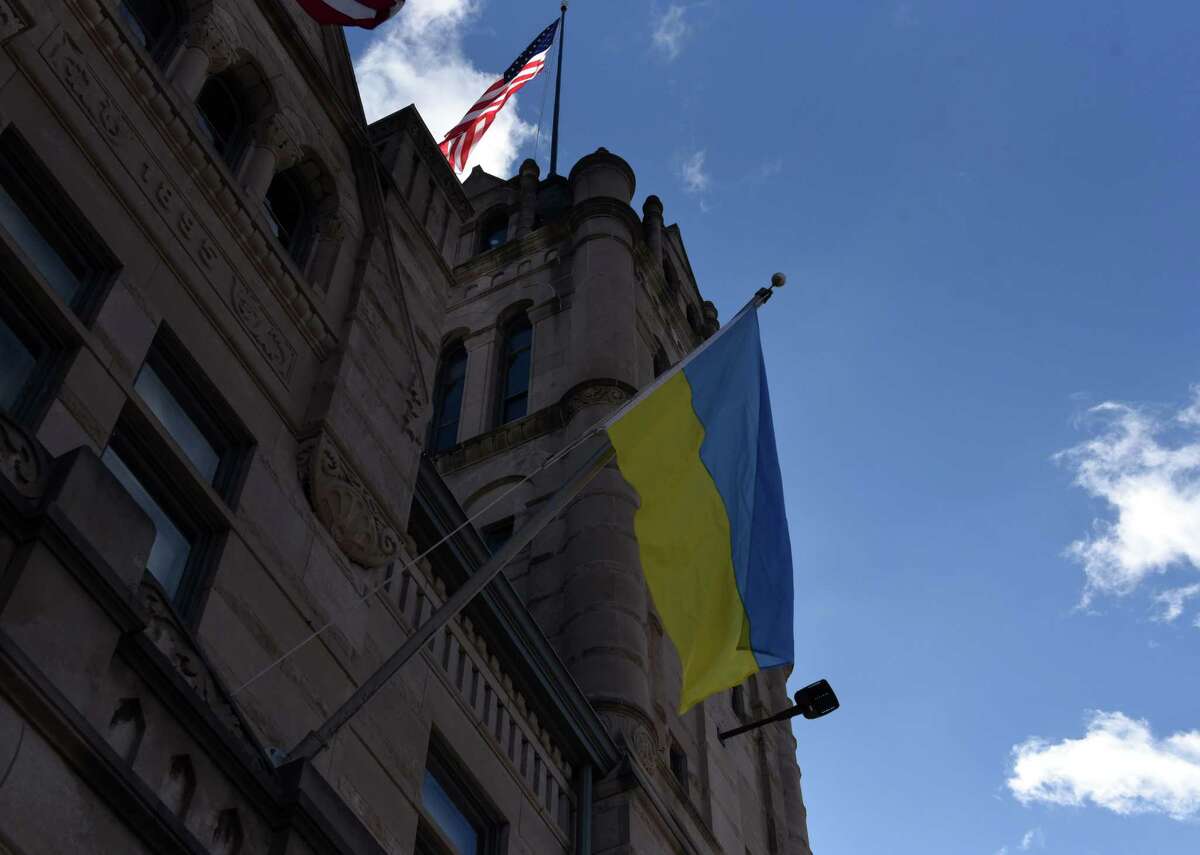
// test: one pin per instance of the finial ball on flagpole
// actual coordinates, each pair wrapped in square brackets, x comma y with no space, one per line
[778,280]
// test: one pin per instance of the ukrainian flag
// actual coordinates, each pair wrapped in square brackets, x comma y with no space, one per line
[699,448]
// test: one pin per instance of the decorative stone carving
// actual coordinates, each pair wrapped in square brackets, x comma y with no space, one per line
[345,505]
[279,133]
[22,460]
[271,342]
[13,19]
[597,393]
[176,644]
[217,36]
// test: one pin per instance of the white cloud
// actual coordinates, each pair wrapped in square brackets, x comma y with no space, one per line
[1172,601]
[1147,468]
[691,170]
[1033,838]
[1118,765]
[670,29]
[418,58]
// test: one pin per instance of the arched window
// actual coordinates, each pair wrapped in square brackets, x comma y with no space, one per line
[153,23]
[291,213]
[661,362]
[447,400]
[514,369]
[494,231]
[222,116]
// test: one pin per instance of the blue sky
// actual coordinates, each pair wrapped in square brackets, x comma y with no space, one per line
[982,370]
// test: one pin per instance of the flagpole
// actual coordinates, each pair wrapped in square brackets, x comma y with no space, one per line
[562,38]
[602,454]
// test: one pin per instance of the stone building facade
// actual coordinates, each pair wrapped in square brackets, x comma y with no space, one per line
[260,363]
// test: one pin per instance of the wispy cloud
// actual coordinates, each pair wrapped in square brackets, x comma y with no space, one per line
[1173,601]
[1146,466]
[1033,839]
[692,172]
[670,31]
[418,58]
[1118,765]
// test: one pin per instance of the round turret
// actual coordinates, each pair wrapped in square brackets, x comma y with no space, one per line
[602,174]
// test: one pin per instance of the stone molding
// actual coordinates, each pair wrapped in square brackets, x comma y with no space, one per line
[14,19]
[296,295]
[280,133]
[22,461]
[546,420]
[164,628]
[344,504]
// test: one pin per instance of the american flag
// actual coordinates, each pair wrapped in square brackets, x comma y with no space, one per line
[367,14]
[462,137]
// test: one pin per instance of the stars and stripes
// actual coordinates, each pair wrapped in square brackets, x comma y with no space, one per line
[462,137]
[367,14]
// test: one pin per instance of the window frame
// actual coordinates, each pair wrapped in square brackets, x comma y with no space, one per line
[468,796]
[493,218]
[52,352]
[235,147]
[156,468]
[163,52]
[518,320]
[201,401]
[439,401]
[300,243]
[52,212]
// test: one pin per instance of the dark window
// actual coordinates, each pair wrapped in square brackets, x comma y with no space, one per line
[290,213]
[153,23]
[18,359]
[497,534]
[661,362]
[493,232]
[193,414]
[458,819]
[448,397]
[174,536]
[221,115]
[47,227]
[679,765]
[514,369]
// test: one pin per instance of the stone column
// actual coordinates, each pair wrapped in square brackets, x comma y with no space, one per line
[274,149]
[527,197]
[210,49]
[605,606]
[475,417]
[652,228]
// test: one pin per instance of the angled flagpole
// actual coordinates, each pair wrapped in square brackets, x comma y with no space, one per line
[602,454]
[562,38]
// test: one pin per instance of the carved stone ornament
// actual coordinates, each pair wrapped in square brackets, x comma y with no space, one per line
[176,644]
[279,133]
[22,460]
[217,36]
[345,505]
[599,393]
[13,19]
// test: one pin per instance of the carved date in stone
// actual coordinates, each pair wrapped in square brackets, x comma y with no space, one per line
[22,460]
[13,20]
[345,505]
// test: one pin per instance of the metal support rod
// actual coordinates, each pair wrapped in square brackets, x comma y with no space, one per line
[562,38]
[318,739]
[790,712]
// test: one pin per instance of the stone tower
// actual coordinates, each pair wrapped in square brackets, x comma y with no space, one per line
[565,302]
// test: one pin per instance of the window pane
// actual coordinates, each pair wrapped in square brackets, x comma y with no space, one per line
[48,260]
[169,555]
[220,116]
[517,380]
[463,836]
[148,20]
[177,422]
[16,365]
[514,408]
